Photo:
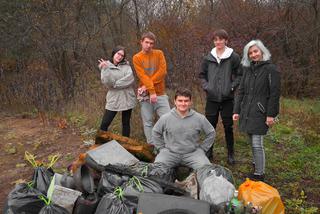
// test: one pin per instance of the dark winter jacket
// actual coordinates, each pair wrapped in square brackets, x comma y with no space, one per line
[219,80]
[258,97]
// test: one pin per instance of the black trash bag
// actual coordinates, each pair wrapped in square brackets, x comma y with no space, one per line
[86,204]
[144,169]
[109,181]
[218,170]
[24,199]
[137,185]
[67,181]
[140,168]
[53,209]
[83,180]
[42,178]
[161,171]
[110,203]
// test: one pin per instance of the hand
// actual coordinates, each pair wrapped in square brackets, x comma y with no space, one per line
[270,121]
[142,89]
[235,117]
[153,98]
[102,63]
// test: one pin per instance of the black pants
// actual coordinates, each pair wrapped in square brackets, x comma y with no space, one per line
[225,109]
[108,117]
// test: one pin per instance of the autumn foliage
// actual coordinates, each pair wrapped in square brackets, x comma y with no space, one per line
[49,49]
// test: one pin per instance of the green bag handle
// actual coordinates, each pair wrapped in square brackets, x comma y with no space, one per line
[118,191]
[145,170]
[47,201]
[135,181]
[30,184]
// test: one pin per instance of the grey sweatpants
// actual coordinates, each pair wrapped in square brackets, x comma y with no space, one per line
[147,114]
[258,153]
[194,160]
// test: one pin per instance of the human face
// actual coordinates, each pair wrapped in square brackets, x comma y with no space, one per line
[182,104]
[147,45]
[118,57]
[219,43]
[255,54]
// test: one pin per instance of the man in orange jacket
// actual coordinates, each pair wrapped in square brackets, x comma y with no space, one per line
[151,68]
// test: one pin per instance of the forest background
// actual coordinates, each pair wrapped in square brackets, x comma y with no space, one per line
[49,52]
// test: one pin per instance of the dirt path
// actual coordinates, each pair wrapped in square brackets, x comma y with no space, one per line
[22,133]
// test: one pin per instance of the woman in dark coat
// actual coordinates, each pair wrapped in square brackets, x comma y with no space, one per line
[257,102]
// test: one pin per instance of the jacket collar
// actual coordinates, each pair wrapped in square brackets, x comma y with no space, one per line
[212,56]
[259,63]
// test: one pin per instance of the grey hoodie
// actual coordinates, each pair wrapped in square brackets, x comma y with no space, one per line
[182,135]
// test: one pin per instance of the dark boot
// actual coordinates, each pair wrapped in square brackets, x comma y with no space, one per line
[256,177]
[228,130]
[230,143]
[231,160]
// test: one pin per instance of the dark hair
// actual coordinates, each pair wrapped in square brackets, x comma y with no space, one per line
[148,35]
[115,50]
[183,92]
[221,33]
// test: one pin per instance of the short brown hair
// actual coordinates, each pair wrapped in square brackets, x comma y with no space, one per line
[184,92]
[148,35]
[221,33]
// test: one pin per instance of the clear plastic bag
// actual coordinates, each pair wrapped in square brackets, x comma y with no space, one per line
[216,190]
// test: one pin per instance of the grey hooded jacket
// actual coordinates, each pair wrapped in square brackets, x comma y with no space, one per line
[119,80]
[182,135]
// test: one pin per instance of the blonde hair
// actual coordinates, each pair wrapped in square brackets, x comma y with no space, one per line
[266,55]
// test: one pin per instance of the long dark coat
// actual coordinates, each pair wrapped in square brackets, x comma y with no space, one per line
[258,97]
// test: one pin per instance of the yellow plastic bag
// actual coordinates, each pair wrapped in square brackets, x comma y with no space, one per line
[261,194]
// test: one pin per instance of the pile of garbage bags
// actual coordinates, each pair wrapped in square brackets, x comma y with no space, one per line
[112,180]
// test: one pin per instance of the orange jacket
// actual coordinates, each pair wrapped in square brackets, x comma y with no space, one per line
[151,70]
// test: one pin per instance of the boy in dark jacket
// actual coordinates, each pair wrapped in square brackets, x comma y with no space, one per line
[220,77]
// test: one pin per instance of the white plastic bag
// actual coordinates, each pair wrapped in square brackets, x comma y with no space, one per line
[216,190]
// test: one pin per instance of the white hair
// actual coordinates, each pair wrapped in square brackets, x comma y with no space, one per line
[266,55]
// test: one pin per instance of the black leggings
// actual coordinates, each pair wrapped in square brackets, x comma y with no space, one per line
[108,117]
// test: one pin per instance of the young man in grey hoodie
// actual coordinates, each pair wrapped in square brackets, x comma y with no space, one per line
[177,134]
[220,76]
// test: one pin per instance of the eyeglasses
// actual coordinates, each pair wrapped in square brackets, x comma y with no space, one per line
[120,54]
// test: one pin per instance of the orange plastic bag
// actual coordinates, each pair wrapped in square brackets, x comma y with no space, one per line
[261,194]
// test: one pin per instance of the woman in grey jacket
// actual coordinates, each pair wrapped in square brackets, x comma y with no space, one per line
[117,75]
[257,103]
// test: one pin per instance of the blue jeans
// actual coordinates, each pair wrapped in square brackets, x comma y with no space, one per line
[147,114]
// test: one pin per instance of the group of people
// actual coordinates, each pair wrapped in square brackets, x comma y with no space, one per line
[246,89]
